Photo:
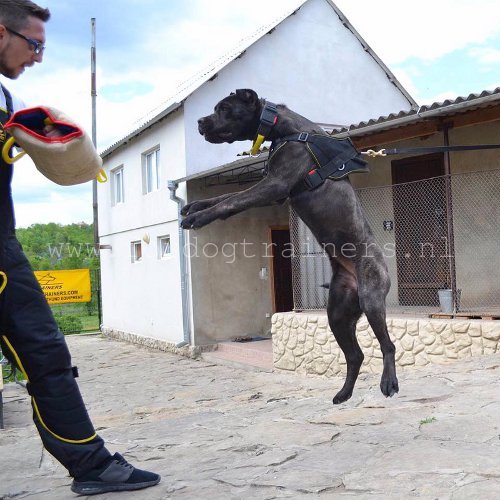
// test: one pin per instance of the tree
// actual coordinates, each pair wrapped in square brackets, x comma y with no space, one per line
[55,246]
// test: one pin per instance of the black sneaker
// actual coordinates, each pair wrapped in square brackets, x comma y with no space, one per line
[116,475]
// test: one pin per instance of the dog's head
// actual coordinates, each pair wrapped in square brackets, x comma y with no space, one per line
[235,118]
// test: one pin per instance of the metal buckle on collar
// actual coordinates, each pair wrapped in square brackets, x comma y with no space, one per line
[303,136]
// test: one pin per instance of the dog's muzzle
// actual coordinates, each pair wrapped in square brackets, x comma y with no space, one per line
[205,125]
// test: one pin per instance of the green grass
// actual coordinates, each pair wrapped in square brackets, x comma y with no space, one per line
[8,374]
[90,323]
[428,420]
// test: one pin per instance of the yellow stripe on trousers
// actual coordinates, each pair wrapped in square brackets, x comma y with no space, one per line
[35,406]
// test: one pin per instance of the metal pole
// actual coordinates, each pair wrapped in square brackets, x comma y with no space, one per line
[93,94]
[449,220]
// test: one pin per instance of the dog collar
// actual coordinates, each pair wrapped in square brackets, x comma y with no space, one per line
[268,119]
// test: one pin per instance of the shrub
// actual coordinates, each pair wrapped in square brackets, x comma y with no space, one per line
[69,324]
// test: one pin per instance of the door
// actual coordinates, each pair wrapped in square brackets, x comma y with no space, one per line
[281,269]
[421,229]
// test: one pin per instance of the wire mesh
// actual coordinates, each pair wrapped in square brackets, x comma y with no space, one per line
[439,237]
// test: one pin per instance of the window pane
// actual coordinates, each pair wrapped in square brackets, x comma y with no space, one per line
[135,251]
[158,176]
[118,186]
[164,246]
[149,174]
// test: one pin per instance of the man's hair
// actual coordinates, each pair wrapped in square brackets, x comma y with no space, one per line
[15,13]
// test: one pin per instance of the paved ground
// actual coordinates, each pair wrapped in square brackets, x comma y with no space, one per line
[218,432]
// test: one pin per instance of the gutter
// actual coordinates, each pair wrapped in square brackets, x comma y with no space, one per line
[186,317]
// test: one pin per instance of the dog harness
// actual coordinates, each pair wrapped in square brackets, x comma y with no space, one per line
[333,158]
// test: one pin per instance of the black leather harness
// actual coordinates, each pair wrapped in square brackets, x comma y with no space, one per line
[333,158]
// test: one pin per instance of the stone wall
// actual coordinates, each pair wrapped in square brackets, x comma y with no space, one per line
[187,351]
[303,342]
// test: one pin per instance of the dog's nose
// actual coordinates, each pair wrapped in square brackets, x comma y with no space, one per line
[203,124]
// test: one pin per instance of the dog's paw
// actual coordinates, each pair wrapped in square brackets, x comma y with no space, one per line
[389,386]
[195,221]
[341,397]
[195,206]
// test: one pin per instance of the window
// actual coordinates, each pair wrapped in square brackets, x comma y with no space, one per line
[118,194]
[136,251]
[164,247]
[151,171]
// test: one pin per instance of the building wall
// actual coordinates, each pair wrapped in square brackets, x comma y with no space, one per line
[144,297]
[475,202]
[304,344]
[229,297]
[310,62]
[460,162]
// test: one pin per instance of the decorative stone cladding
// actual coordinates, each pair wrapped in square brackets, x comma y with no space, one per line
[187,351]
[303,342]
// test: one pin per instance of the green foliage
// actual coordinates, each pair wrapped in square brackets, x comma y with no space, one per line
[54,246]
[427,420]
[69,324]
[57,247]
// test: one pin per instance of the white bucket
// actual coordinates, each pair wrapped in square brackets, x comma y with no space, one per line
[446,300]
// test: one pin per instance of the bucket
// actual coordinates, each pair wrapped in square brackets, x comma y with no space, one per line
[446,300]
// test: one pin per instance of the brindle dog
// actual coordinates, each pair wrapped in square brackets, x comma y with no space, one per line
[332,211]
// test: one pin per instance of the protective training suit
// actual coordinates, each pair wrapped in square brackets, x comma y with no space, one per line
[30,338]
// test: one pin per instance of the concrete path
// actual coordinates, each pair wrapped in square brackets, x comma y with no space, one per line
[218,432]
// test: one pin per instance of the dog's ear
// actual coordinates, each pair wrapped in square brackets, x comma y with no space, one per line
[248,96]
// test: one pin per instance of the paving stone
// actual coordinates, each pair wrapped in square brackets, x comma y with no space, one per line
[222,432]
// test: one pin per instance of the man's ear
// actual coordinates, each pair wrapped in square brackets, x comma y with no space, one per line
[248,96]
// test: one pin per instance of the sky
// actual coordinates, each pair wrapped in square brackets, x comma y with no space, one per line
[146,48]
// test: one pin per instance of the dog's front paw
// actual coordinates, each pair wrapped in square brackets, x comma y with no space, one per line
[194,206]
[195,221]
[389,385]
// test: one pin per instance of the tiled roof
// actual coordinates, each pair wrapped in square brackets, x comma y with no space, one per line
[449,106]
[186,88]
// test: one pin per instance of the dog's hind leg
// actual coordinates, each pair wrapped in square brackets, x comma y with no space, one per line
[373,285]
[343,314]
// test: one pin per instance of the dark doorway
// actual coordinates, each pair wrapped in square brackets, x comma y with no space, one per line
[281,269]
[421,232]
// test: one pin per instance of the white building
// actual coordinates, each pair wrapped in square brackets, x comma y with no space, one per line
[314,61]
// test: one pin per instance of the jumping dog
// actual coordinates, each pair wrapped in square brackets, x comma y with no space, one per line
[330,208]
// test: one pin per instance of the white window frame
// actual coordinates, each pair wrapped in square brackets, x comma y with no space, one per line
[117,186]
[162,255]
[135,256]
[151,170]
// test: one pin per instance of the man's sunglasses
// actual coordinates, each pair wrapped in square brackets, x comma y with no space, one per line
[36,46]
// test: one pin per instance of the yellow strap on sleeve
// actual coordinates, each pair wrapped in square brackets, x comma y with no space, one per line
[102,176]
[6,151]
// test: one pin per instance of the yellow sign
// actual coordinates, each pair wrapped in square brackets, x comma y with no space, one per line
[63,287]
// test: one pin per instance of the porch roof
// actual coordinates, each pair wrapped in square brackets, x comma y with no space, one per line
[427,119]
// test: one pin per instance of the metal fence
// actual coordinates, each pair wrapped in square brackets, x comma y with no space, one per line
[81,317]
[440,238]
